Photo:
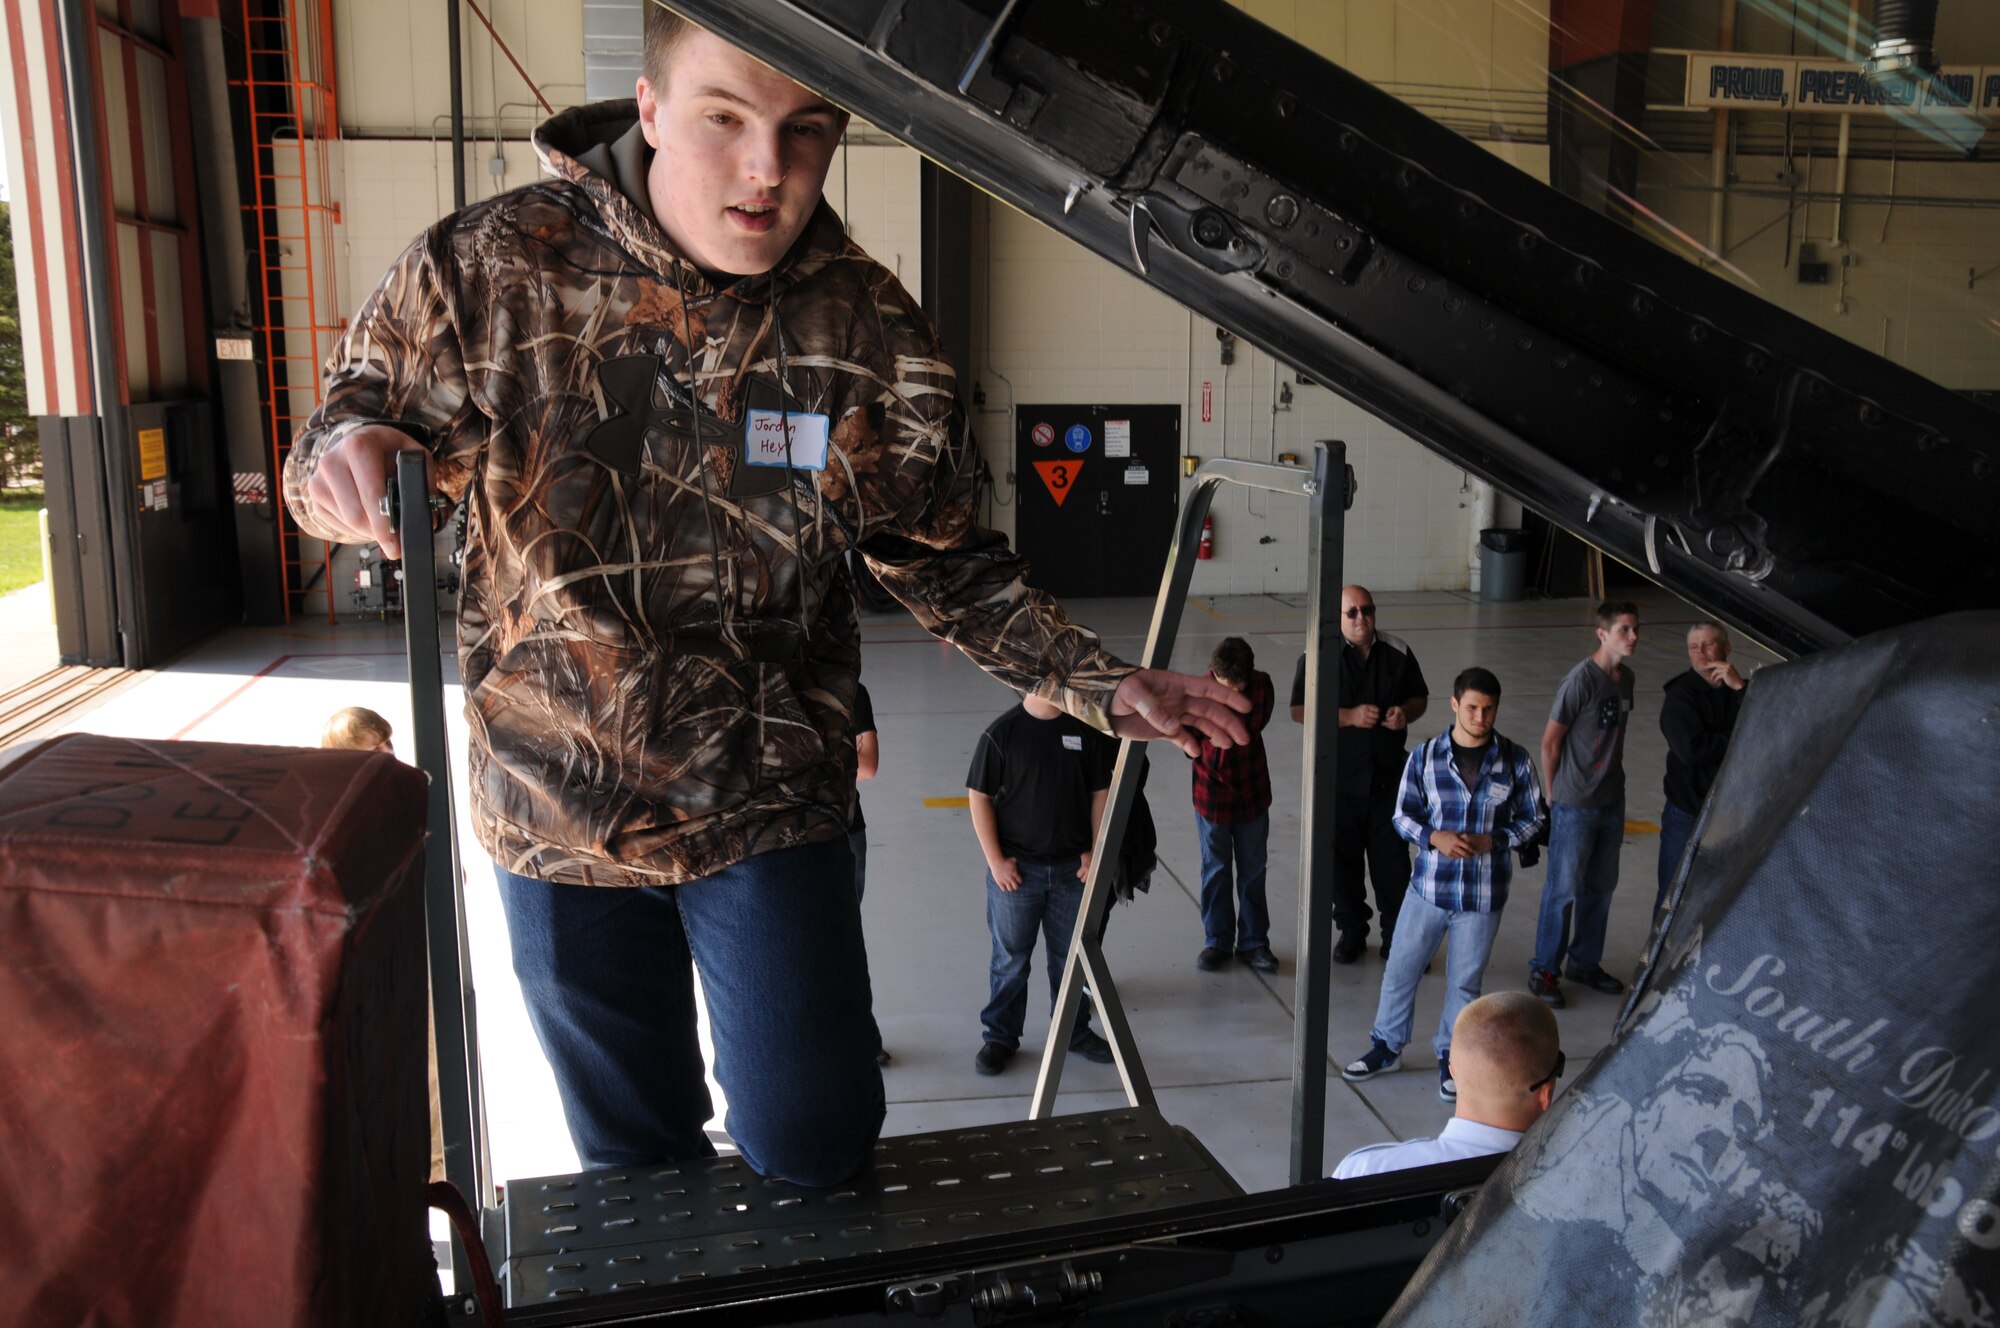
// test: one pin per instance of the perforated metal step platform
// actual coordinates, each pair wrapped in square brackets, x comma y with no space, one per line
[618,1230]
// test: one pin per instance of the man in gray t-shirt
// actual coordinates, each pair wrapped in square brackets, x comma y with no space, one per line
[1583,764]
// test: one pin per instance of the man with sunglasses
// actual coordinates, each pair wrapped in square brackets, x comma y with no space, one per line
[1382,692]
[1507,1053]
[674,395]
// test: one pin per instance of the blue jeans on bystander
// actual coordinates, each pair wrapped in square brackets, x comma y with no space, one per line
[1046,904]
[1676,828]
[1421,927]
[1583,871]
[608,974]
[1224,924]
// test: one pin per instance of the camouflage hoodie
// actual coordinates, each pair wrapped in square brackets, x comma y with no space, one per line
[658,643]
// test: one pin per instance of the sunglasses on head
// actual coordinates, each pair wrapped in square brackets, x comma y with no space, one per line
[1552,1075]
[1360,611]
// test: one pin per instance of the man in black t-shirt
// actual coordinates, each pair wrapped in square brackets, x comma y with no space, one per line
[1037,789]
[1382,691]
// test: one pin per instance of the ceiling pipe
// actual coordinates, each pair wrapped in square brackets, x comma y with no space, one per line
[457,107]
[1904,33]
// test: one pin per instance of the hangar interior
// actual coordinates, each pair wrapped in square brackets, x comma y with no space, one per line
[204,191]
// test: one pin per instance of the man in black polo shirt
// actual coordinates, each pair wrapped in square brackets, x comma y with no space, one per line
[1382,691]
[1037,790]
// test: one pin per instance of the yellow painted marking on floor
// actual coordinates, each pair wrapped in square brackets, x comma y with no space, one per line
[1641,828]
[947,802]
[1206,609]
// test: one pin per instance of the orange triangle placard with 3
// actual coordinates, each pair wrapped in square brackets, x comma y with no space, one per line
[1060,477]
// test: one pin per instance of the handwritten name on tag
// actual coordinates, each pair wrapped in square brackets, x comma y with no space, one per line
[764,439]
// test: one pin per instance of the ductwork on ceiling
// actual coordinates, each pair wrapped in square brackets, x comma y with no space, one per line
[1904,30]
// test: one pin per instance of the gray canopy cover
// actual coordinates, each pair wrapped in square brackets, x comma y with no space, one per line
[1798,1121]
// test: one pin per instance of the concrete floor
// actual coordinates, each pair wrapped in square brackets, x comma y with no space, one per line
[28,627]
[1218,1047]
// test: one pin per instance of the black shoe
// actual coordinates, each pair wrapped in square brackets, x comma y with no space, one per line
[992,1058]
[1349,948]
[1596,979]
[1385,949]
[1546,989]
[1211,959]
[1090,1046]
[1260,959]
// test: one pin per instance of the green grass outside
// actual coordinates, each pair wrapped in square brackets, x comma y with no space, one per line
[20,538]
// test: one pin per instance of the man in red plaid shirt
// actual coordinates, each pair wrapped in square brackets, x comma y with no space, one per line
[1232,810]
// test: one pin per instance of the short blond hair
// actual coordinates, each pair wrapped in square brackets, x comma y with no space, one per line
[1504,1041]
[355,729]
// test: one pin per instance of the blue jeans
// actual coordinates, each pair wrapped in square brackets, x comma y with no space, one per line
[1221,923]
[1420,927]
[1676,828]
[1046,902]
[1583,871]
[608,974]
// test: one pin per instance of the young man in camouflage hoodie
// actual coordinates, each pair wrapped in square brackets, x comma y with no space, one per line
[675,395]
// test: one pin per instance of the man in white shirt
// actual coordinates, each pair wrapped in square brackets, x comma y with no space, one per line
[1506,1055]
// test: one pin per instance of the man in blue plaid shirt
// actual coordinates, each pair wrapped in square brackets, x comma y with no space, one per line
[1468,798]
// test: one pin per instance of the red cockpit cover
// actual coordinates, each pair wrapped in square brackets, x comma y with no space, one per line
[212,996]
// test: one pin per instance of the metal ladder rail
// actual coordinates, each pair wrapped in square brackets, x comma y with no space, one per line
[461,1094]
[1329,491]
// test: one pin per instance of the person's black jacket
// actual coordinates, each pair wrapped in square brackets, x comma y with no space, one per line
[1697,720]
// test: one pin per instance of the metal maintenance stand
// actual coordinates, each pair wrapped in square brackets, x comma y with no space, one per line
[454,1011]
[1329,492]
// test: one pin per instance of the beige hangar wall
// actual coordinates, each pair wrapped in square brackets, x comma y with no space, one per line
[1916,280]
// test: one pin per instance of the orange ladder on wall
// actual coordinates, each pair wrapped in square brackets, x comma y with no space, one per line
[289,85]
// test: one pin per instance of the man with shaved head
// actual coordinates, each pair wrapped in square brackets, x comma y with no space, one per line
[1507,1054]
[1697,718]
[1382,692]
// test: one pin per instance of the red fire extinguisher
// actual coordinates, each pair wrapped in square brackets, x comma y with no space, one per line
[1206,549]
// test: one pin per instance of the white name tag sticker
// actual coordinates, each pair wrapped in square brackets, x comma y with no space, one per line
[764,439]
[1073,741]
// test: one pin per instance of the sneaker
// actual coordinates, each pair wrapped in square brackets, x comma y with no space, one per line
[992,1058]
[1211,958]
[1090,1046]
[1260,959]
[1349,948]
[1447,1086]
[1378,1059]
[1546,989]
[1596,979]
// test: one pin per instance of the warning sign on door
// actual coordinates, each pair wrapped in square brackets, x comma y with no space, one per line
[152,454]
[1059,476]
[1118,438]
[1044,434]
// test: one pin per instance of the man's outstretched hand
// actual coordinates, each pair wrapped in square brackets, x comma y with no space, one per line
[1180,707]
